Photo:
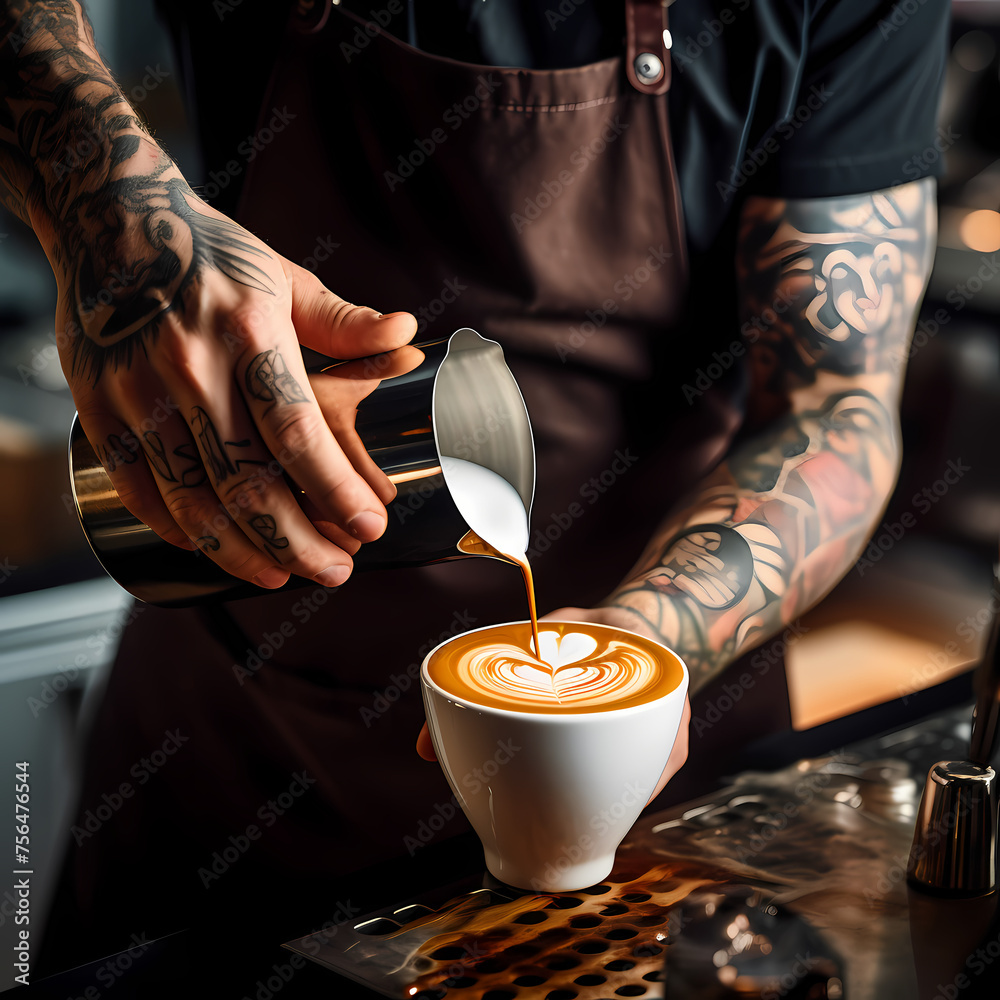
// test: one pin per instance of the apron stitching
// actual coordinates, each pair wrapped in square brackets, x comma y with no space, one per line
[579,106]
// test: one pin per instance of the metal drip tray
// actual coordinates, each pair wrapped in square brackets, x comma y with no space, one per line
[824,841]
[496,942]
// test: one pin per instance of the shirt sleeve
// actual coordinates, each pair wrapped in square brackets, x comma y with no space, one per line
[865,110]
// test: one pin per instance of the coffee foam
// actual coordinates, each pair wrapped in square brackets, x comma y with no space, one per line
[583,668]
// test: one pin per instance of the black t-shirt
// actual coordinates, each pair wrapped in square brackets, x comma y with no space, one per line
[772,97]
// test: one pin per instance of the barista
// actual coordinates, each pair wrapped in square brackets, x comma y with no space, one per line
[586,219]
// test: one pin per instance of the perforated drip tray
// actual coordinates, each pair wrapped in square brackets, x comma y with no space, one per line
[493,942]
[813,843]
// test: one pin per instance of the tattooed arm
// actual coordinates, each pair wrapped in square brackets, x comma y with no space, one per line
[178,330]
[830,289]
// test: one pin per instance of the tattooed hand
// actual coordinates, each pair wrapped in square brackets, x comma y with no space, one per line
[178,330]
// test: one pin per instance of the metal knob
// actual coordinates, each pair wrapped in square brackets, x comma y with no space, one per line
[648,67]
[954,843]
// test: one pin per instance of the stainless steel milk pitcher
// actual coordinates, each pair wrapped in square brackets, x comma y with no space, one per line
[460,401]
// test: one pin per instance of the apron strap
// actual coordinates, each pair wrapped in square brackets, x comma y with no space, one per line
[309,16]
[647,52]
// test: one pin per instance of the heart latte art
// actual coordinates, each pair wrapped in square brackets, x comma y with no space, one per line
[583,668]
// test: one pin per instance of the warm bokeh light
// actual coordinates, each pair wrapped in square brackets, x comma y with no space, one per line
[974,51]
[980,230]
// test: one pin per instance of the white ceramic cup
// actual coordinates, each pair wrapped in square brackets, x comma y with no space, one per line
[551,796]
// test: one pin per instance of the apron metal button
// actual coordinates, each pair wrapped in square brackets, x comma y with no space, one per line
[648,67]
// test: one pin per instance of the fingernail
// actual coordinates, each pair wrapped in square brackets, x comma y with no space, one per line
[367,525]
[271,578]
[335,533]
[333,576]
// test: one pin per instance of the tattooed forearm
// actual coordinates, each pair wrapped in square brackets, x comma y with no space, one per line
[850,273]
[778,523]
[78,165]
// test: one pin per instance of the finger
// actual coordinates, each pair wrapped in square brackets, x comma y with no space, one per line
[425,748]
[333,532]
[339,329]
[365,466]
[566,615]
[253,492]
[120,452]
[294,430]
[194,507]
[678,752]
[375,367]
[340,388]
[338,405]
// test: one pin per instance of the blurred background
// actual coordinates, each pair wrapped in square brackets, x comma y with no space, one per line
[911,616]
[60,616]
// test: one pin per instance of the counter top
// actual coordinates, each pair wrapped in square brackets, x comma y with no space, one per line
[820,846]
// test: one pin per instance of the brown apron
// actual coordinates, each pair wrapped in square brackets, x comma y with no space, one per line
[539,207]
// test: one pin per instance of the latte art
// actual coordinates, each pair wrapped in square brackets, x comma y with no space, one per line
[584,668]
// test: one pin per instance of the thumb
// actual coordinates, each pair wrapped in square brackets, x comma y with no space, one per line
[338,328]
